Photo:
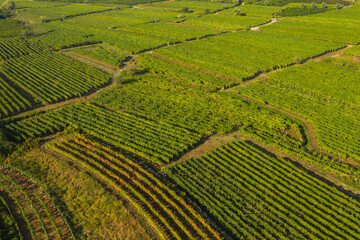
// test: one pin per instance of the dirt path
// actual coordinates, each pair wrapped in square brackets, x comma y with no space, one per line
[86,98]
[272,21]
[43,207]
[91,62]
[217,140]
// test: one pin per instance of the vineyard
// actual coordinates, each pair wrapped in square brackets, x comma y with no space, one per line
[169,214]
[179,119]
[253,10]
[10,28]
[355,51]
[256,196]
[204,111]
[62,77]
[185,75]
[172,31]
[325,103]
[103,54]
[12,48]
[65,35]
[339,26]
[301,11]
[261,52]
[227,22]
[8,228]
[32,208]
[64,11]
[197,7]
[11,101]
[123,130]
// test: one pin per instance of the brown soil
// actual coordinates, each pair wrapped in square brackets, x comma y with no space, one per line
[272,21]
[29,187]
[108,68]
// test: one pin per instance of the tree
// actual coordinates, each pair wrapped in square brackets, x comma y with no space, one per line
[237,12]
[302,5]
[323,5]
[313,5]
[8,5]
[184,10]
[44,19]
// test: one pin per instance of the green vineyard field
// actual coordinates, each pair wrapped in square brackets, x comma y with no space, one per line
[256,196]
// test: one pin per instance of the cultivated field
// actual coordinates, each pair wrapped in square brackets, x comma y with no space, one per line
[179,119]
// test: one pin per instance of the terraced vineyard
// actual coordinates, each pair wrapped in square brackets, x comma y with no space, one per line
[256,196]
[169,214]
[36,215]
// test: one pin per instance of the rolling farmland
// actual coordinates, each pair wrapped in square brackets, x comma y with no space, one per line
[179,119]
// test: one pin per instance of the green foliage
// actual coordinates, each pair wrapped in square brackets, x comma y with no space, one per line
[155,141]
[253,10]
[103,54]
[59,12]
[4,14]
[228,22]
[243,55]
[65,34]
[323,93]
[8,227]
[169,214]
[107,2]
[192,6]
[355,51]
[10,27]
[182,74]
[11,101]
[337,25]
[239,185]
[125,17]
[61,76]
[285,2]
[301,11]
[78,196]
[172,31]
[8,5]
[11,48]
[204,111]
